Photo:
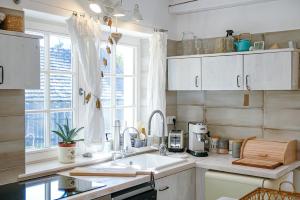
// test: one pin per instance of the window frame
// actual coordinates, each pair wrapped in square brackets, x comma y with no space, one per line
[50,153]
[133,42]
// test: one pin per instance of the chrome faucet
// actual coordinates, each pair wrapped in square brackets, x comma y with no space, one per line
[162,146]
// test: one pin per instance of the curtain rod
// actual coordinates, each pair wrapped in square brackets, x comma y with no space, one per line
[186,2]
[160,30]
[75,12]
[59,7]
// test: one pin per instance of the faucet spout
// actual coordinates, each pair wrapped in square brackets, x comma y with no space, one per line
[162,147]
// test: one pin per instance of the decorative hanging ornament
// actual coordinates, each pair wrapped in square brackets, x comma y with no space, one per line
[116,36]
[98,103]
[88,97]
[104,60]
[108,50]
[110,40]
[109,23]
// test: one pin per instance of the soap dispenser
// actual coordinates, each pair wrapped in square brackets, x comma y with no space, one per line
[229,41]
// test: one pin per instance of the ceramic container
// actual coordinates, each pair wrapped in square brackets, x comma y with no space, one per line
[223,146]
[236,148]
[242,45]
[66,153]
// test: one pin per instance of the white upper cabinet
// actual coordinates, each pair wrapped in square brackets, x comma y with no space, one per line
[271,71]
[184,74]
[19,61]
[276,69]
[222,73]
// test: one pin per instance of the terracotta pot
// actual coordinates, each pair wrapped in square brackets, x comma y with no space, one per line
[66,152]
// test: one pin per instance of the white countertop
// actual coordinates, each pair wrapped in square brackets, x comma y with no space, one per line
[216,162]
[35,170]
[219,162]
[114,184]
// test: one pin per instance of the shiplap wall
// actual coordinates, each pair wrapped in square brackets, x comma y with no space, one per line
[12,128]
[271,114]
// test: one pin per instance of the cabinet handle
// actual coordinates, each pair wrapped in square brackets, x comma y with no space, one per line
[163,189]
[238,81]
[2,74]
[196,81]
[247,82]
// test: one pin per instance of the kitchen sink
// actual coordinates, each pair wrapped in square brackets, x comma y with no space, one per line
[146,162]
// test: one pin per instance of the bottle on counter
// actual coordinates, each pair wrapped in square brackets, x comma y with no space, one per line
[214,142]
[229,41]
[116,135]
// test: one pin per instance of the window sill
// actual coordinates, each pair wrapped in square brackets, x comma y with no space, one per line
[53,166]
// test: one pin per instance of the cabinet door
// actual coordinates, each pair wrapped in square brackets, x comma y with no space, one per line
[222,73]
[184,74]
[178,186]
[269,71]
[20,62]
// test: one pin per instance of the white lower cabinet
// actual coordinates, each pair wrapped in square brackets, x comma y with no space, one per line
[180,186]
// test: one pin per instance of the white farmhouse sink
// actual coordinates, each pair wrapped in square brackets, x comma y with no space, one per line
[147,162]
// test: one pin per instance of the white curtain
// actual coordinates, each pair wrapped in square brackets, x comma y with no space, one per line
[156,83]
[85,36]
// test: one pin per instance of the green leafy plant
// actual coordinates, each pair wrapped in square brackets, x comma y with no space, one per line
[67,134]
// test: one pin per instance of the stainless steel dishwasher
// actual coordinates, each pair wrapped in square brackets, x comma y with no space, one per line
[145,191]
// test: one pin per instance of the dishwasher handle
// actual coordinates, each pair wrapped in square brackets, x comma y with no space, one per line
[164,188]
[139,190]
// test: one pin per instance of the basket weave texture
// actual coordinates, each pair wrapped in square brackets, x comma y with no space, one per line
[13,23]
[271,194]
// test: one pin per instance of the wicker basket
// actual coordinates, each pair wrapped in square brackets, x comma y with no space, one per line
[271,194]
[13,23]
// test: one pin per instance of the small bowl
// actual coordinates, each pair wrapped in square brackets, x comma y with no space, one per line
[2,17]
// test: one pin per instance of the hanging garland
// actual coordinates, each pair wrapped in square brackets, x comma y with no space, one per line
[112,39]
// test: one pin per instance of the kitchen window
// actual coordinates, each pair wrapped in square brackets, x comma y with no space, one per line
[119,85]
[53,102]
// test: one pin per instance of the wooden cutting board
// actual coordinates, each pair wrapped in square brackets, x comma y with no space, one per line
[266,164]
[117,172]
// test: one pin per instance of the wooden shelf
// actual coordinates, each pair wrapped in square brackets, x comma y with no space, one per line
[19,34]
[237,53]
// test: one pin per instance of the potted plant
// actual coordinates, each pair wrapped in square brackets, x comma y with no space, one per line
[66,148]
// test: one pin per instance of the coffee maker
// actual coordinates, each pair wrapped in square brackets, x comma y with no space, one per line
[198,139]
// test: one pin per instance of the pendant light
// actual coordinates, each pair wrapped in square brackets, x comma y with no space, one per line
[119,10]
[137,16]
[95,7]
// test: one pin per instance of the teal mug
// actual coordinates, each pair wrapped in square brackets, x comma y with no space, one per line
[242,45]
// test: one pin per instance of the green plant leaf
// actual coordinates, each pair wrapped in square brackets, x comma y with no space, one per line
[61,135]
[67,130]
[79,140]
[66,133]
[71,133]
[74,134]
[62,131]
[79,129]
